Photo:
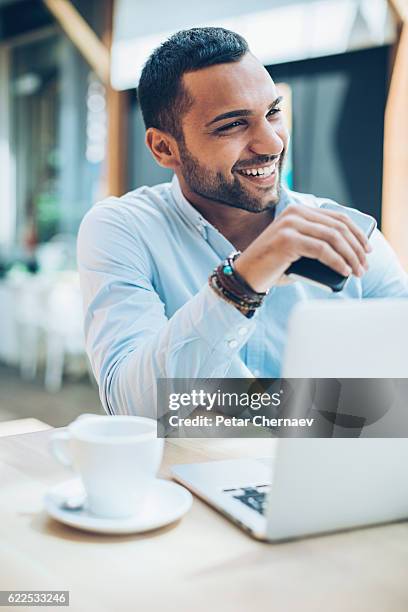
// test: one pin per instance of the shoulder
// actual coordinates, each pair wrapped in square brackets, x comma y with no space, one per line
[309,199]
[305,199]
[385,277]
[132,206]
[123,225]
[313,201]
[134,216]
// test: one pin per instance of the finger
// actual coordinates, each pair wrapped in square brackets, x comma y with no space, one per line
[352,226]
[346,222]
[330,216]
[355,244]
[336,240]
[323,252]
[343,228]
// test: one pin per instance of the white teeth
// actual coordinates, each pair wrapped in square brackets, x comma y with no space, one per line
[266,171]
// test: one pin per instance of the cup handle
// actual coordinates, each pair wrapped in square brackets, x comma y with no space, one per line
[59,448]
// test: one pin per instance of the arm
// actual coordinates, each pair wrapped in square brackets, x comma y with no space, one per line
[129,339]
[385,277]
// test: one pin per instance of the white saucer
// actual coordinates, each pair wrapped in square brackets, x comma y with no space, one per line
[166,503]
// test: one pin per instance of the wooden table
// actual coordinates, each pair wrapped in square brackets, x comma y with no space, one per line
[202,562]
[21,426]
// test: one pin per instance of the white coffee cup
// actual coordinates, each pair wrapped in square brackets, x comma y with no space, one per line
[117,458]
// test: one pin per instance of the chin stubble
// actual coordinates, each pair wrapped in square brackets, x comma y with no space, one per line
[217,189]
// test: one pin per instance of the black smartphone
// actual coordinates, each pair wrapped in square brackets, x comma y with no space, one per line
[313,270]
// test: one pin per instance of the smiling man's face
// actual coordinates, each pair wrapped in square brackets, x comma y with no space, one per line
[235,137]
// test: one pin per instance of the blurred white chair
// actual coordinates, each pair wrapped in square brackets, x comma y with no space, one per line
[9,346]
[63,331]
[30,299]
[58,254]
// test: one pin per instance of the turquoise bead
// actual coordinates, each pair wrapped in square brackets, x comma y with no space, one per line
[227,270]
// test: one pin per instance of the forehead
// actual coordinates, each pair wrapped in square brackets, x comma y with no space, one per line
[236,85]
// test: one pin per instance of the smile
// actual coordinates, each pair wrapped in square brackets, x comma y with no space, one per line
[264,175]
[262,171]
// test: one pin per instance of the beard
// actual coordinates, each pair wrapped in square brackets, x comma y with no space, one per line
[216,187]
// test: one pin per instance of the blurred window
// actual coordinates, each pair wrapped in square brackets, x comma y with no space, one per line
[35,105]
[277,32]
[56,139]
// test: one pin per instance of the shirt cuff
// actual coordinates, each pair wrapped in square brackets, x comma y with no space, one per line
[222,326]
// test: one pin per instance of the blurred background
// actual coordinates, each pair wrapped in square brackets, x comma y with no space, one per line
[71,133]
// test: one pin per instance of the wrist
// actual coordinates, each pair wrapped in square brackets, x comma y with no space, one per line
[252,274]
[223,295]
[261,271]
[233,288]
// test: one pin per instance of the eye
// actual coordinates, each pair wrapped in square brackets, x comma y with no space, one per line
[274,111]
[229,126]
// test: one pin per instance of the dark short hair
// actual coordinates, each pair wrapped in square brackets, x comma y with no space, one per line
[161,94]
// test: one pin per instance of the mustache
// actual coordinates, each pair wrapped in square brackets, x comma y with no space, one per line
[262,160]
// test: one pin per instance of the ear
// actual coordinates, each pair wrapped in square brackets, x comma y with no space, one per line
[163,148]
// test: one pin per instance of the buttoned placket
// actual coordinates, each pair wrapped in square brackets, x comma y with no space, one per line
[253,351]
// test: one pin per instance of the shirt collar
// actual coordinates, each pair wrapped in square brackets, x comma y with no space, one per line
[186,209]
[284,201]
[195,218]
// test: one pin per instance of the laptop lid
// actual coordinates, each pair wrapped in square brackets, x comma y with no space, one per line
[348,339]
[322,485]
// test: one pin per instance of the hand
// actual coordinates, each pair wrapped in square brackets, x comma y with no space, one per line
[299,231]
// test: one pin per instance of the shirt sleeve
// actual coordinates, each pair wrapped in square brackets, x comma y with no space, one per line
[385,278]
[129,339]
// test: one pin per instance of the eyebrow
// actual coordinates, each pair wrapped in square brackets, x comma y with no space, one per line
[241,112]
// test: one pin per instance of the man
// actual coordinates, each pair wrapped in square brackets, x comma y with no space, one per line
[213,116]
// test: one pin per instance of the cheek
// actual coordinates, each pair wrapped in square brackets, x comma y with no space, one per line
[218,155]
[227,152]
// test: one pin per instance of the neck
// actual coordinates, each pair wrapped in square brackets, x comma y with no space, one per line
[239,226]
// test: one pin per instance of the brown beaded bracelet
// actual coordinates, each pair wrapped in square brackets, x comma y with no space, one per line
[234,289]
[245,309]
[230,271]
[233,281]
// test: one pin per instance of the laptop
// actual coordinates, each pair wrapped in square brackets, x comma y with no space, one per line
[318,485]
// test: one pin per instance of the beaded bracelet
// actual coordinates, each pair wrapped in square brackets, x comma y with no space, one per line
[245,309]
[228,269]
[231,280]
[230,285]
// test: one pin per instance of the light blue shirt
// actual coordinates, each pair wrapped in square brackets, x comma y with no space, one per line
[144,260]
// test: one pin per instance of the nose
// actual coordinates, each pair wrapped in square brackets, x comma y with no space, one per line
[267,138]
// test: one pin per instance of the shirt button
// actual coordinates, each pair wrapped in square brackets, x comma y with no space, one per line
[242,331]
[233,344]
